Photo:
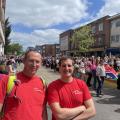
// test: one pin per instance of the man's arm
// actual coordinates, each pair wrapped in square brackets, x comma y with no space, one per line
[45,116]
[89,112]
[65,113]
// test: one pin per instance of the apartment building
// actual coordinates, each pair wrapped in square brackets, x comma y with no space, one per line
[101,33]
[48,50]
[2,22]
[65,43]
[114,47]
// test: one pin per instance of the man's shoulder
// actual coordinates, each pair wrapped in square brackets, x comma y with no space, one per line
[79,81]
[54,83]
[3,77]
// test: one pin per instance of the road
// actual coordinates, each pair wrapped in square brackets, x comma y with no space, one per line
[107,107]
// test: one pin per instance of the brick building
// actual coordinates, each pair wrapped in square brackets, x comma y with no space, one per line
[105,30]
[65,43]
[48,50]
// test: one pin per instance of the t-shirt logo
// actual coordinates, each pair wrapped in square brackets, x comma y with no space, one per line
[77,92]
[38,90]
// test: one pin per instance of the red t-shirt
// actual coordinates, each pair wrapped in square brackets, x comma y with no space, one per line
[29,101]
[69,95]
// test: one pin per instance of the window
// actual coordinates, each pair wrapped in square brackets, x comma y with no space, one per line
[117,38]
[93,29]
[112,39]
[100,27]
[118,23]
[100,41]
[57,50]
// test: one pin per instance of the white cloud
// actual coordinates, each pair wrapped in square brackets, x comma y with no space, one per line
[43,13]
[111,7]
[37,37]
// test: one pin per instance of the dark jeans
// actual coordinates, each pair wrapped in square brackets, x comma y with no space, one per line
[118,82]
[89,78]
[94,78]
[100,84]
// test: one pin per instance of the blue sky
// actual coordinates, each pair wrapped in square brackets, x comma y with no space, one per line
[38,22]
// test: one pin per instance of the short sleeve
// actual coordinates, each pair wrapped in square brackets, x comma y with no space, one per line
[86,92]
[3,87]
[52,94]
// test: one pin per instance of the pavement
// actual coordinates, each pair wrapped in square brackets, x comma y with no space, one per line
[107,107]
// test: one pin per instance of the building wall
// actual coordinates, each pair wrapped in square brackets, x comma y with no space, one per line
[115,32]
[65,43]
[103,29]
[49,50]
[2,22]
[101,32]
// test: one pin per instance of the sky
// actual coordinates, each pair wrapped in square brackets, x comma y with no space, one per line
[38,22]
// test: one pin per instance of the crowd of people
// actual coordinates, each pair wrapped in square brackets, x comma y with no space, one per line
[90,69]
[9,65]
[68,97]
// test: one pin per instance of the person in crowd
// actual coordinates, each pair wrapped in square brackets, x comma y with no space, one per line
[100,73]
[93,69]
[118,63]
[2,67]
[82,69]
[76,72]
[9,67]
[118,82]
[69,97]
[88,72]
[27,99]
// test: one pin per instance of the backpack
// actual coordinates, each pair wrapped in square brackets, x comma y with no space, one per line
[12,79]
[10,85]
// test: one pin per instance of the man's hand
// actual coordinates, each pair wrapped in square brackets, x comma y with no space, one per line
[66,113]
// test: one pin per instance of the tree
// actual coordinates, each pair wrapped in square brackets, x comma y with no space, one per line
[82,39]
[15,48]
[7,34]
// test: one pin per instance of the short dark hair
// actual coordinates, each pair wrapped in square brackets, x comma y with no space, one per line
[65,58]
[30,50]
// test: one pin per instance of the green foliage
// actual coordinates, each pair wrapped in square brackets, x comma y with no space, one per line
[82,39]
[9,48]
[7,34]
[15,48]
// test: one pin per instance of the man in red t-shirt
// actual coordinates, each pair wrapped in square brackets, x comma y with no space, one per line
[27,99]
[68,97]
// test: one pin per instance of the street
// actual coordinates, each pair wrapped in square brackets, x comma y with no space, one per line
[107,107]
